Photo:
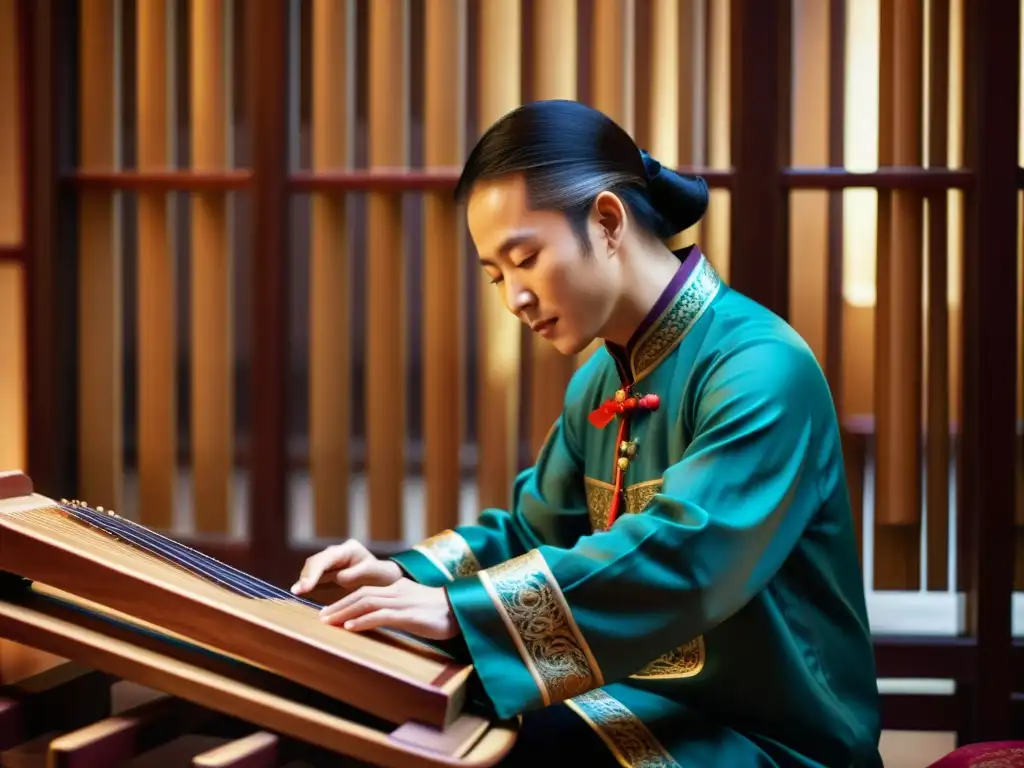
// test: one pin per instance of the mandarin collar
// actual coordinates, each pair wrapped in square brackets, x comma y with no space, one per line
[684,300]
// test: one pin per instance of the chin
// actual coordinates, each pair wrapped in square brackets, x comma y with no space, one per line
[570,346]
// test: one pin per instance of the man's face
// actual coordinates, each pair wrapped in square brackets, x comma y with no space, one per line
[535,259]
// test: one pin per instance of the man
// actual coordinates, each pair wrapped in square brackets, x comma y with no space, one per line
[676,580]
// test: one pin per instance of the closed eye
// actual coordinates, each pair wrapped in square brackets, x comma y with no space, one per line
[528,261]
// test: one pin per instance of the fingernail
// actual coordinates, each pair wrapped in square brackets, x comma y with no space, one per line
[348,625]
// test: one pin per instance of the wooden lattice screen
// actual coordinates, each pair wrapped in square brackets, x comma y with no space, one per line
[244,263]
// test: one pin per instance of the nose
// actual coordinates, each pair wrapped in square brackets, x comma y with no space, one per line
[519,298]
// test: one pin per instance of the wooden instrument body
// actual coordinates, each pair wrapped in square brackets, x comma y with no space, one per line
[122,618]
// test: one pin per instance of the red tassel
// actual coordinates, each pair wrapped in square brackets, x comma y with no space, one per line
[602,417]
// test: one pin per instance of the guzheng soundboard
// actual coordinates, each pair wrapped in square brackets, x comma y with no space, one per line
[108,593]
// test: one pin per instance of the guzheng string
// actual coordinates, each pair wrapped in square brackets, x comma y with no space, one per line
[178,554]
[229,577]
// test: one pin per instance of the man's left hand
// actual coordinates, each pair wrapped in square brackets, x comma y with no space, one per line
[405,605]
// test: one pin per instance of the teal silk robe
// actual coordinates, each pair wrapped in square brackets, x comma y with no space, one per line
[720,620]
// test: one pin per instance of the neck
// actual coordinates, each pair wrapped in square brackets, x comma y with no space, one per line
[647,271]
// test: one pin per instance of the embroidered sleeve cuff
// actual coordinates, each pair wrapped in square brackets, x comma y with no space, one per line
[525,645]
[438,560]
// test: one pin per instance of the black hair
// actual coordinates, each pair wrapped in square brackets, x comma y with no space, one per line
[569,153]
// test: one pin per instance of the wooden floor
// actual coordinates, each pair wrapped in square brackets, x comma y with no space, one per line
[900,749]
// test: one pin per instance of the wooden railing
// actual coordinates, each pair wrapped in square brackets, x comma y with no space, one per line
[317,294]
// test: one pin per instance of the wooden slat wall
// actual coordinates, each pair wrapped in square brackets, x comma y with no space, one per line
[901,394]
[385,94]
[376,106]
[898,318]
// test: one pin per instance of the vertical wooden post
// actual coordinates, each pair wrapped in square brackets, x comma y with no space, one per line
[717,143]
[48,433]
[611,83]
[693,101]
[611,66]
[330,394]
[555,77]
[500,348]
[211,290]
[444,266]
[385,317]
[12,272]
[809,209]
[760,82]
[937,451]
[267,71]
[100,352]
[157,348]
[991,97]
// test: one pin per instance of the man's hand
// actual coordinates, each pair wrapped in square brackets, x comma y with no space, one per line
[356,567]
[404,605]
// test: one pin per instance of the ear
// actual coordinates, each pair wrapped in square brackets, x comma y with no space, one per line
[609,217]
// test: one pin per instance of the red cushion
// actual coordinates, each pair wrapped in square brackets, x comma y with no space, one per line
[992,754]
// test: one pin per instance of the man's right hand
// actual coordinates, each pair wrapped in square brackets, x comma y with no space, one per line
[355,565]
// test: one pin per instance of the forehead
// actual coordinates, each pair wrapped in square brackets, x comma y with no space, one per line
[497,212]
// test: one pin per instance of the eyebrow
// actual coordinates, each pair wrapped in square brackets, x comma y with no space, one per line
[511,242]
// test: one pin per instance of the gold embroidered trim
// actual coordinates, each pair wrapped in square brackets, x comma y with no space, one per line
[599,502]
[685,661]
[675,322]
[639,496]
[450,553]
[632,743]
[600,494]
[542,627]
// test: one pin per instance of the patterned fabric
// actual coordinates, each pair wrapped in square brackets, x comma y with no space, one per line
[994,754]
[665,334]
[551,645]
[627,737]
[450,553]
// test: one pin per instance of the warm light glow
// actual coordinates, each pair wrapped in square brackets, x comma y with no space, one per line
[12,368]
[714,231]
[860,206]
[13,420]
[955,153]
[860,149]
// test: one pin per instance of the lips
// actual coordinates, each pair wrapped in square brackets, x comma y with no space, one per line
[544,327]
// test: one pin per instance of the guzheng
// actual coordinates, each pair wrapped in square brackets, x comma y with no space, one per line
[91,586]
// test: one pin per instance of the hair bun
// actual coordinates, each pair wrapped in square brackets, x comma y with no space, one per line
[680,200]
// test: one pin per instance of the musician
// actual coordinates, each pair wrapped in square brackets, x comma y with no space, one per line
[676,581]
